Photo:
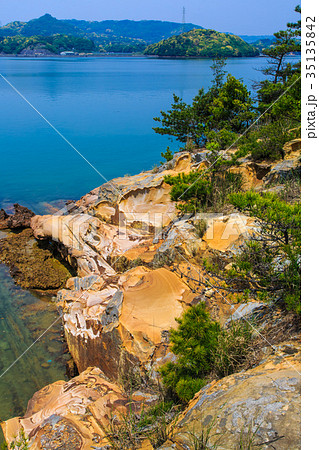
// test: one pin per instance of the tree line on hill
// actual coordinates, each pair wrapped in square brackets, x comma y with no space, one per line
[124,36]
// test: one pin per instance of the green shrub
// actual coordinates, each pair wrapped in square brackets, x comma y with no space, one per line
[203,190]
[270,262]
[202,348]
[186,388]
[271,139]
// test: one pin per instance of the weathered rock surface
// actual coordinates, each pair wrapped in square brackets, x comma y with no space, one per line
[292,148]
[20,219]
[126,320]
[283,170]
[256,174]
[73,415]
[226,233]
[88,241]
[262,404]
[252,172]
[143,197]
[114,219]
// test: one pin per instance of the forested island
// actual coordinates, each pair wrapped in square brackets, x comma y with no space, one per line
[204,44]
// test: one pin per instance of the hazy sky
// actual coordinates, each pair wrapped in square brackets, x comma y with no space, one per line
[236,16]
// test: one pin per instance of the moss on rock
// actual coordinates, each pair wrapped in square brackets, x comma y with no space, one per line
[31,265]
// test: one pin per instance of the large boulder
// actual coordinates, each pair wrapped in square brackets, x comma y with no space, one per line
[260,406]
[87,240]
[121,324]
[20,219]
[73,415]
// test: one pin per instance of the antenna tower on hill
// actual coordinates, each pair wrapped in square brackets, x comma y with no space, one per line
[183,20]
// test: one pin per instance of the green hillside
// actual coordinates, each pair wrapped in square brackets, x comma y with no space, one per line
[202,43]
[149,31]
[53,44]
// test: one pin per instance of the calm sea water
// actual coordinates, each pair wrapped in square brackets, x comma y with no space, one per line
[103,106]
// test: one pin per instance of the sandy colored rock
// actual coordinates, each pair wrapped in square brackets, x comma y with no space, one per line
[120,326]
[292,148]
[152,303]
[143,197]
[227,232]
[71,415]
[264,400]
[252,173]
[88,240]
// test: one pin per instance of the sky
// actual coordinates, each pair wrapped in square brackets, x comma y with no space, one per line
[252,17]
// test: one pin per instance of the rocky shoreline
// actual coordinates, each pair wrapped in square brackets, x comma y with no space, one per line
[136,262]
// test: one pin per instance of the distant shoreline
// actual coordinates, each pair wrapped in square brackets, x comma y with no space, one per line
[118,55]
[129,55]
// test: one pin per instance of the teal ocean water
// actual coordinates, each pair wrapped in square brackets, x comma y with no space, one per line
[103,106]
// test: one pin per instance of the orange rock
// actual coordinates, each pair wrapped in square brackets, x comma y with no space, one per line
[71,415]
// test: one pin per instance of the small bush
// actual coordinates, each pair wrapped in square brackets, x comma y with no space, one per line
[203,349]
[203,190]
[186,388]
[268,142]
[223,138]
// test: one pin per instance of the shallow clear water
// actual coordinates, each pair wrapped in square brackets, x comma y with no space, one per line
[103,106]
[23,318]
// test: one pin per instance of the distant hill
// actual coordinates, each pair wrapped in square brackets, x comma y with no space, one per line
[202,43]
[149,31]
[255,38]
[259,41]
